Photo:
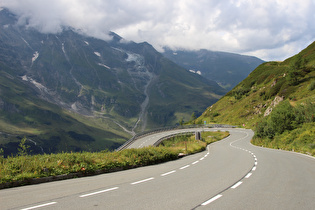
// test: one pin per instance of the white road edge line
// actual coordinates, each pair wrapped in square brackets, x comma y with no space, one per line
[185,167]
[102,191]
[202,158]
[168,173]
[195,162]
[144,180]
[254,168]
[236,185]
[211,200]
[42,205]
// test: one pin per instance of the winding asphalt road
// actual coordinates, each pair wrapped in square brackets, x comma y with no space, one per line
[230,174]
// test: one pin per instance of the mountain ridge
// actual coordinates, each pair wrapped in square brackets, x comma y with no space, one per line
[227,69]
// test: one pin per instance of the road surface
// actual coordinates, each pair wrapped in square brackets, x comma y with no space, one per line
[230,174]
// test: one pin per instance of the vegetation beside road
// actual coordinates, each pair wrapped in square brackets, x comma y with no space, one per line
[288,128]
[277,101]
[188,145]
[25,167]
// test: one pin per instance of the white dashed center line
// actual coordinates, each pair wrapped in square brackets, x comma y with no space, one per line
[248,175]
[39,206]
[168,173]
[185,167]
[144,180]
[98,192]
[211,200]
[236,185]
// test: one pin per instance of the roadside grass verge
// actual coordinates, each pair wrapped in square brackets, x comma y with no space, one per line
[23,169]
[188,145]
[298,140]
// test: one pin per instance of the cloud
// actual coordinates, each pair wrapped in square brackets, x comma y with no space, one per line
[269,29]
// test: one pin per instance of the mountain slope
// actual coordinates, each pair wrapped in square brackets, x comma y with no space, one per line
[116,86]
[277,97]
[228,69]
[48,127]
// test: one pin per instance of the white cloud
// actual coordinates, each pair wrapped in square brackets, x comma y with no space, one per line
[269,29]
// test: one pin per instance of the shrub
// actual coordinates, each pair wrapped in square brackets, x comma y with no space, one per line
[289,128]
[282,118]
[240,92]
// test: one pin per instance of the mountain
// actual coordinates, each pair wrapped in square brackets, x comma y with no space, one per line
[227,69]
[277,100]
[71,92]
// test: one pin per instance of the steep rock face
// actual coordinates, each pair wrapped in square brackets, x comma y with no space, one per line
[129,83]
[273,104]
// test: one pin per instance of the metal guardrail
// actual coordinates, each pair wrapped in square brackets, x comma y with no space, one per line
[159,130]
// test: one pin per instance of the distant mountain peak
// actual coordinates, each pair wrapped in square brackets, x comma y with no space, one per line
[227,69]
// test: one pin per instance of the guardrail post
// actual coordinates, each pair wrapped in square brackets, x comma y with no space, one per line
[197,135]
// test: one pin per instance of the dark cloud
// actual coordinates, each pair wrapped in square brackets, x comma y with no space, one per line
[269,29]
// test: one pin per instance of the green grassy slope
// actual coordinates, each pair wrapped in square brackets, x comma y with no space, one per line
[277,88]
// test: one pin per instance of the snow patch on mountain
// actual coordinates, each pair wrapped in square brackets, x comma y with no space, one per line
[37,84]
[35,56]
[63,49]
[138,59]
[74,106]
[98,54]
[100,64]
[194,71]
[87,43]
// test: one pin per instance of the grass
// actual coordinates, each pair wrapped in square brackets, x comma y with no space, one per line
[25,167]
[188,145]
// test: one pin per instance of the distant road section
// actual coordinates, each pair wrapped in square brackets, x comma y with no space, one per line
[153,138]
[230,174]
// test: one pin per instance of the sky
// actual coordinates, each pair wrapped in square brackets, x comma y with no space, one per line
[268,29]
